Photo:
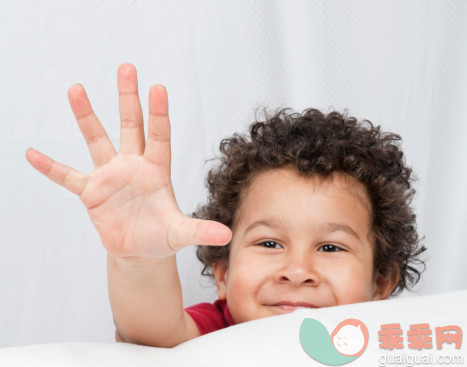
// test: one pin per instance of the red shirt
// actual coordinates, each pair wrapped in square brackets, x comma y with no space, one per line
[211,317]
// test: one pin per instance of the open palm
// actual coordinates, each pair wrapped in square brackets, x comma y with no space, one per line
[129,195]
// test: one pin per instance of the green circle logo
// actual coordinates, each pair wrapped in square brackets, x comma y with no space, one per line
[346,343]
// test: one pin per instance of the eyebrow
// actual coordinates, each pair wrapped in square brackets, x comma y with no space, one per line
[329,227]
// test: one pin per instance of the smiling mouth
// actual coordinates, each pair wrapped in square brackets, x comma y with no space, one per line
[290,306]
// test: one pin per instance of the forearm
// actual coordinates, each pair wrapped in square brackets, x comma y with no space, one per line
[146,301]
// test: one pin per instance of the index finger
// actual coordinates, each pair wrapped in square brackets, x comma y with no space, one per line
[158,142]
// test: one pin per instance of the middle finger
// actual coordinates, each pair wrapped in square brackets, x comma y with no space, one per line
[131,114]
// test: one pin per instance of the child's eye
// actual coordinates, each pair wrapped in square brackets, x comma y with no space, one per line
[329,248]
[270,244]
[325,248]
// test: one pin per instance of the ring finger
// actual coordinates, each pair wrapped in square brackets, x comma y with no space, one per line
[99,145]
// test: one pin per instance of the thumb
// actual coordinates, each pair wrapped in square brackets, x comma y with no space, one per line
[186,231]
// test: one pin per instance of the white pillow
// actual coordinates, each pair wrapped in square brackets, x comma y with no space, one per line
[273,341]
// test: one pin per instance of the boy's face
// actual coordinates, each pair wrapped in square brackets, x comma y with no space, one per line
[299,241]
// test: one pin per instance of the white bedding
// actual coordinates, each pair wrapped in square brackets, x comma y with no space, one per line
[272,341]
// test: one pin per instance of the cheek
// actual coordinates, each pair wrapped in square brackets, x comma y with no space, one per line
[249,273]
[351,282]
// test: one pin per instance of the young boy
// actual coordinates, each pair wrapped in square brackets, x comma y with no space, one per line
[313,211]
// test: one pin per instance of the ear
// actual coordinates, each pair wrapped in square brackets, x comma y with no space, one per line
[220,272]
[385,285]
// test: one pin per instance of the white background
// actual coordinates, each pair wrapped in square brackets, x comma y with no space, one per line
[400,64]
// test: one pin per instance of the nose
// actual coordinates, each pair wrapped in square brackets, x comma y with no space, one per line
[298,270]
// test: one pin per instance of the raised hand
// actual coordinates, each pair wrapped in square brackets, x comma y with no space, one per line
[129,195]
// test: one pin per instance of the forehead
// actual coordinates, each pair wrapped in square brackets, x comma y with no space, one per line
[285,194]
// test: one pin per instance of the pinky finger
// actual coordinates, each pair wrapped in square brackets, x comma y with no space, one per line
[65,176]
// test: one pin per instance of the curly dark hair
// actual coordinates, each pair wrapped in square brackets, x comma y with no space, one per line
[319,144]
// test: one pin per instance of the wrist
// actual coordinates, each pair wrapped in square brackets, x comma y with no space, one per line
[133,262]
